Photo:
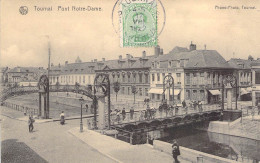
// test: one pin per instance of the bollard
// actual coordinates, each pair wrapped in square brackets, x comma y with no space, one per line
[147,138]
[131,138]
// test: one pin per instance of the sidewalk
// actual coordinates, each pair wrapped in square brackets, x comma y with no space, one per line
[121,151]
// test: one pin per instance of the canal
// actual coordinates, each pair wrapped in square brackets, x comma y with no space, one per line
[225,146]
[231,147]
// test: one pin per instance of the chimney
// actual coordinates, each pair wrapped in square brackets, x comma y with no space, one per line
[95,60]
[144,54]
[66,62]
[52,65]
[157,50]
[120,57]
[161,51]
[192,46]
[205,46]
[103,59]
[59,65]
[128,56]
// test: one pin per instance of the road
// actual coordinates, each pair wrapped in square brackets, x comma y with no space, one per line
[50,142]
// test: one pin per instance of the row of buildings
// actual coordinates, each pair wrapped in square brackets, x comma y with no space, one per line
[198,74]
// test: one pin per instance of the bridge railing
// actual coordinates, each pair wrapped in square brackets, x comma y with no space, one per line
[26,110]
[144,114]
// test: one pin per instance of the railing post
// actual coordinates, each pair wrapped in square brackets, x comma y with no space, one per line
[131,138]
[147,138]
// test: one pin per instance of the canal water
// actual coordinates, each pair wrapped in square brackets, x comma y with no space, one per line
[231,147]
[225,146]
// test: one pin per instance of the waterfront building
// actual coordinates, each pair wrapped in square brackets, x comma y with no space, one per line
[197,74]
[79,72]
[244,77]
[130,71]
[255,83]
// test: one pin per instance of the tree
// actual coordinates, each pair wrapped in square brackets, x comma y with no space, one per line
[134,91]
[57,86]
[77,88]
[250,58]
[116,88]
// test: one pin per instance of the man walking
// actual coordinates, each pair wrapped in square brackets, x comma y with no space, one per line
[30,123]
[175,151]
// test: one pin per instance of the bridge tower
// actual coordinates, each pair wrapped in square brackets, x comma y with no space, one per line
[101,94]
[43,86]
[168,83]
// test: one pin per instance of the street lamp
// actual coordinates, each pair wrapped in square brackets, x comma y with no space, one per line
[81,124]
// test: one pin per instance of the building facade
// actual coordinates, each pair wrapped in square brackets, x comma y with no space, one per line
[255,83]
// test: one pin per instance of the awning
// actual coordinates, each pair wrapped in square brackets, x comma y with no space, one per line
[156,90]
[160,91]
[249,89]
[215,92]
[243,91]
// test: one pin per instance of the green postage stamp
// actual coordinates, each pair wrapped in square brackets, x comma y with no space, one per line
[138,23]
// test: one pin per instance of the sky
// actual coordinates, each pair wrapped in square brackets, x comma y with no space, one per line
[91,35]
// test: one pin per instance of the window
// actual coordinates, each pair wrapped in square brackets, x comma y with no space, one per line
[152,77]
[163,75]
[146,78]
[158,96]
[187,78]
[194,95]
[202,95]
[257,77]
[123,78]
[140,78]
[128,90]
[178,64]
[129,78]
[178,78]
[152,96]
[83,79]
[79,79]
[146,91]
[140,92]
[123,90]
[158,76]
[188,94]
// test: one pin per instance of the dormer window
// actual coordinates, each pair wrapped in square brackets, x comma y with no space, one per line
[81,69]
[158,64]
[153,65]
[241,65]
[170,63]
[76,69]
[178,64]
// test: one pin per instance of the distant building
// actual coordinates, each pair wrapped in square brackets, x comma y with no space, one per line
[82,73]
[255,83]
[24,74]
[3,75]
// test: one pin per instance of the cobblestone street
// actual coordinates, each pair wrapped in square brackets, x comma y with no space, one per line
[50,142]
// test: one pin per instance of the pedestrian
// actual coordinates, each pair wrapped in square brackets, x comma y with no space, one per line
[118,116]
[258,106]
[86,108]
[62,118]
[183,104]
[200,106]
[132,113]
[30,123]
[123,113]
[175,151]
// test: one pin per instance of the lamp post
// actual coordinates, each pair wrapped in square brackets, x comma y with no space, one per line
[81,124]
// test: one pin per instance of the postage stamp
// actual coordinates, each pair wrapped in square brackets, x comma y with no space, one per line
[138,23]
